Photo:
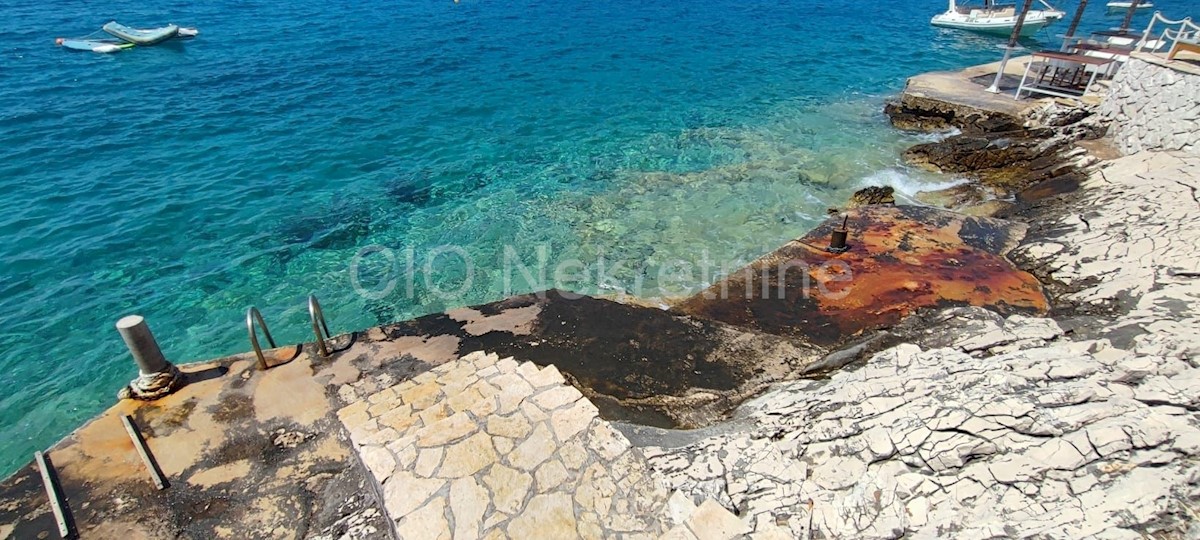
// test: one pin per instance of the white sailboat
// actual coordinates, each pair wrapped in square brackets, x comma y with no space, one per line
[995,19]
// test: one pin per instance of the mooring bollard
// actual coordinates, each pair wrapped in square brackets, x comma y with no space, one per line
[156,376]
[837,241]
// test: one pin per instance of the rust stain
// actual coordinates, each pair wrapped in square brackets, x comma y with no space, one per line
[228,472]
[901,259]
[103,450]
[121,529]
[434,350]
[290,392]
[219,441]
[518,321]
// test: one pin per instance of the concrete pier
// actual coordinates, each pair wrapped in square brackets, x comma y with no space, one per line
[959,99]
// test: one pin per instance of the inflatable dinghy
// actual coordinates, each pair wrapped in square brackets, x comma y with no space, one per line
[97,46]
[138,36]
[127,38]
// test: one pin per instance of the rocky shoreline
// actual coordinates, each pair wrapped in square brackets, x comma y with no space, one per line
[1082,422]
[1023,362]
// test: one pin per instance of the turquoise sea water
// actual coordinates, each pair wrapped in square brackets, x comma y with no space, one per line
[249,167]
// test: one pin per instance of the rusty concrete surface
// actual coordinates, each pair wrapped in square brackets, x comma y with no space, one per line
[246,454]
[901,258]
[260,454]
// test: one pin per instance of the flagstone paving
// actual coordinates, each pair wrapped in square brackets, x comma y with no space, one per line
[485,447]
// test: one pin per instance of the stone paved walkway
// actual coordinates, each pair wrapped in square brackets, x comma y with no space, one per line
[484,447]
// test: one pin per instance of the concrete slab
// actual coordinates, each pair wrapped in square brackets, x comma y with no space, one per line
[246,454]
[958,99]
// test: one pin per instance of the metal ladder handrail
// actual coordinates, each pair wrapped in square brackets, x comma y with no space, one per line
[317,316]
[252,316]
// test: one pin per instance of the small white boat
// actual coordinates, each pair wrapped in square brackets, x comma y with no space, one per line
[1119,5]
[995,19]
[127,38]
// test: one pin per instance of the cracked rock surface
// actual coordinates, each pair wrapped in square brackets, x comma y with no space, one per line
[1000,427]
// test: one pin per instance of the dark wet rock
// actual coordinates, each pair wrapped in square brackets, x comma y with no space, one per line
[993,208]
[1005,162]
[915,113]
[901,259]
[872,195]
[1062,184]
[1007,147]
[636,363]
[953,197]
[1074,120]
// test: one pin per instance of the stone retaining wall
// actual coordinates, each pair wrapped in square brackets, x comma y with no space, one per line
[1154,107]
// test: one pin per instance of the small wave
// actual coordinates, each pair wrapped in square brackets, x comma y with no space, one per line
[938,136]
[907,185]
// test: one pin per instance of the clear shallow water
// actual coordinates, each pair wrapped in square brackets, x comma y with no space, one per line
[248,167]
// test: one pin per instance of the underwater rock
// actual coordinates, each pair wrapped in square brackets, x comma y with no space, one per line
[412,188]
[339,225]
[809,180]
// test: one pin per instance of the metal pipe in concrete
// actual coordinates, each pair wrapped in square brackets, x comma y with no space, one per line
[142,346]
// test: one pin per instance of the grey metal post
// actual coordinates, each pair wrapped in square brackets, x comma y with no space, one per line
[156,376]
[141,343]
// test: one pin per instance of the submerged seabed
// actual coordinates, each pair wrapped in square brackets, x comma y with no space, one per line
[250,166]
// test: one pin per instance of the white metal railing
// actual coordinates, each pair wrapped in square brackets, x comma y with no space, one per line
[1187,31]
